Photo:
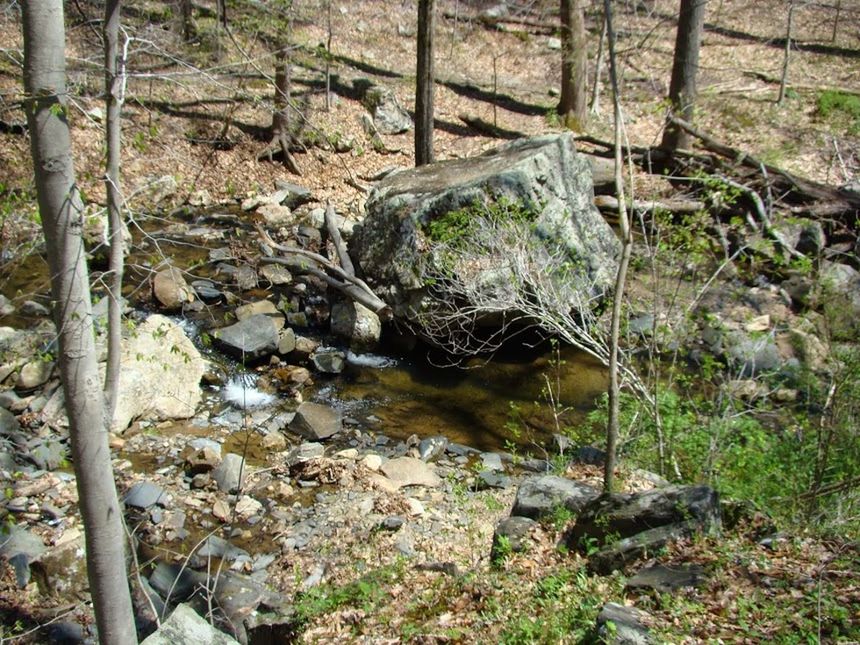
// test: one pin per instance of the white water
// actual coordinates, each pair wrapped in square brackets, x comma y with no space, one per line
[241,392]
[370,360]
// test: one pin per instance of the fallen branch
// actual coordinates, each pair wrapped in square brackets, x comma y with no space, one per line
[347,283]
[610,203]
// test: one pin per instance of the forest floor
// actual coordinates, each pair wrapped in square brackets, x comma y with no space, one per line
[800,588]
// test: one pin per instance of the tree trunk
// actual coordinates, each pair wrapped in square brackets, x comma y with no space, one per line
[783,81]
[685,67]
[573,105]
[281,135]
[113,97]
[189,31]
[612,426]
[61,212]
[424,84]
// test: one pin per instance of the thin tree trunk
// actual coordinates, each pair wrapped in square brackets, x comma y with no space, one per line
[612,428]
[783,81]
[424,79]
[328,58]
[573,106]
[113,97]
[61,211]
[836,21]
[595,88]
[685,68]
[188,30]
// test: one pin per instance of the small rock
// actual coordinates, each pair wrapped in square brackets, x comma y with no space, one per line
[393,523]
[304,452]
[315,421]
[228,471]
[33,308]
[358,324]
[329,361]
[247,507]
[274,441]
[512,535]
[276,274]
[431,447]
[49,454]
[665,579]
[538,497]
[250,339]
[408,471]
[143,495]
[628,625]
[372,462]
[220,510]
[186,627]
[34,374]
[170,289]
[275,215]
[286,341]
[492,461]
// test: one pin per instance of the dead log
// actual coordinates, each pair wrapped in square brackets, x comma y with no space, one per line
[678,206]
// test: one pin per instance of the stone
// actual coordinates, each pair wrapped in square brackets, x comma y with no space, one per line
[245,277]
[751,355]
[247,507]
[372,462]
[228,472]
[432,447]
[538,497]
[275,215]
[276,274]
[512,534]
[170,289]
[186,627]
[490,479]
[34,374]
[628,626]
[274,441]
[810,349]
[207,291]
[304,452]
[261,307]
[286,341]
[389,117]
[8,423]
[667,579]
[20,547]
[408,471]
[329,361]
[304,347]
[316,422]
[6,307]
[158,189]
[62,570]
[393,242]
[249,339]
[589,455]
[33,308]
[144,494]
[357,324]
[292,195]
[553,43]
[491,461]
[49,454]
[630,526]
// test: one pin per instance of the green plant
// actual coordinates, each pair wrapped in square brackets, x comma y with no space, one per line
[841,108]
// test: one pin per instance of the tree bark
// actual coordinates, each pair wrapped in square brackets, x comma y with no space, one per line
[783,82]
[281,136]
[189,31]
[685,68]
[424,79]
[573,105]
[61,211]
[113,98]
[612,426]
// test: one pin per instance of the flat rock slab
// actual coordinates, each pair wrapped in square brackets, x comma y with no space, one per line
[664,579]
[408,471]
[251,338]
[186,627]
[143,495]
[538,497]
[316,422]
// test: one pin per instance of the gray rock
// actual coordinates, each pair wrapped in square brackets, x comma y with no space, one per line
[186,627]
[393,522]
[207,291]
[627,625]
[276,274]
[34,374]
[158,189]
[6,307]
[249,339]
[356,323]
[33,308]
[538,497]
[512,535]
[62,570]
[286,341]
[292,195]
[20,547]
[642,522]
[329,361]
[315,421]
[489,479]
[245,277]
[228,472]
[304,452]
[751,355]
[8,423]
[49,454]
[10,401]
[389,117]
[216,547]
[144,494]
[392,245]
[432,447]
[666,579]
[491,461]
[408,471]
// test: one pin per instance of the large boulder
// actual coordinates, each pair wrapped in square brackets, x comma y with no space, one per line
[539,188]
[160,376]
[249,339]
[538,497]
